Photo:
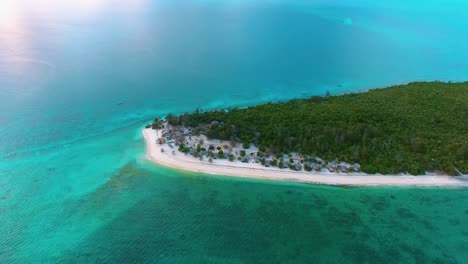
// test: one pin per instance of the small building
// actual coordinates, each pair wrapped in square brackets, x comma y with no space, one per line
[317,166]
[331,166]
[297,166]
[343,166]
[186,132]
[356,167]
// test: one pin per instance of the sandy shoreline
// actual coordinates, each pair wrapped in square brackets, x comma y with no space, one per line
[223,167]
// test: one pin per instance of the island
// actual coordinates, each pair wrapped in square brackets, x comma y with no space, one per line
[414,134]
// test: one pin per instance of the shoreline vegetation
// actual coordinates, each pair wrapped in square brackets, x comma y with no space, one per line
[414,129]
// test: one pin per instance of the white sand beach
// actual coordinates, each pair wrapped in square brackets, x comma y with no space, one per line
[172,158]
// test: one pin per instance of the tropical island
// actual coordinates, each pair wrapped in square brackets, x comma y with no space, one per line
[383,136]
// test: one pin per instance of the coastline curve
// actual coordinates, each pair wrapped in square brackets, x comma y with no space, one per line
[177,160]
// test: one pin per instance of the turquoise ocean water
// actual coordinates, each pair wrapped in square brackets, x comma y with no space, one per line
[79,79]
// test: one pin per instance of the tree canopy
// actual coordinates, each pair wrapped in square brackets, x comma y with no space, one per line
[413,128]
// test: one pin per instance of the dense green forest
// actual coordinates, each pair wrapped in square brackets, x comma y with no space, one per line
[412,128]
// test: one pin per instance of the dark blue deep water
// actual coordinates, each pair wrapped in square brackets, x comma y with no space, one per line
[78,79]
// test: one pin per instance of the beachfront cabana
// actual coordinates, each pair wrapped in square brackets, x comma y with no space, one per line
[297,166]
[317,166]
[343,166]
[331,166]
[356,167]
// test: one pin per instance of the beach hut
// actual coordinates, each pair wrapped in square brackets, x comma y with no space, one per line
[297,166]
[331,166]
[356,167]
[343,166]
[317,167]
